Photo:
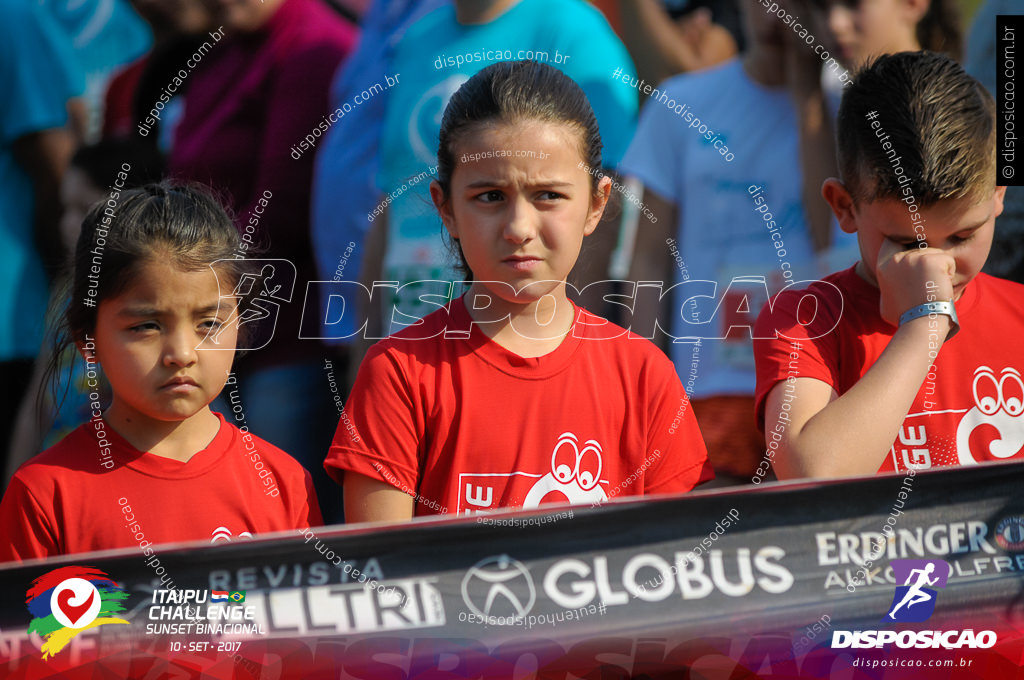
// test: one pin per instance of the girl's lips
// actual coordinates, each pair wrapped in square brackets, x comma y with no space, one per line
[180,385]
[522,263]
[181,388]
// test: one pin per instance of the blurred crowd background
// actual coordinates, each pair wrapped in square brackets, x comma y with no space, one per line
[332,108]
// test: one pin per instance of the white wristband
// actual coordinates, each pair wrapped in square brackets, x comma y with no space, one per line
[927,309]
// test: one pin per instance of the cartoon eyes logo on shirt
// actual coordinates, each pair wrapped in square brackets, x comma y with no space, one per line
[223,533]
[575,473]
[585,464]
[994,428]
[991,395]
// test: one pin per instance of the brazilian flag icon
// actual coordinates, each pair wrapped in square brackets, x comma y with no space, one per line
[237,596]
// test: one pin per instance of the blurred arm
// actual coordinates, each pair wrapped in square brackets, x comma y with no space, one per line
[44,157]
[651,260]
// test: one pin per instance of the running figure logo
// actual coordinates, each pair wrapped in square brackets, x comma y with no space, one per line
[914,601]
[259,296]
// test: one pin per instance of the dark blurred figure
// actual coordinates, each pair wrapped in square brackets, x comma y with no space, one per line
[37,79]
[47,415]
[91,172]
[667,37]
[180,27]
[259,91]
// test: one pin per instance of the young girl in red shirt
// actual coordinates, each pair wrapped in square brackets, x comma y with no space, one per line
[511,395]
[151,286]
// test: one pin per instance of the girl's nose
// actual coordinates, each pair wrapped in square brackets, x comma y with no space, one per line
[180,349]
[520,226]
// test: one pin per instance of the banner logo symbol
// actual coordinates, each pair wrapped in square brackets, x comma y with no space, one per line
[1010,533]
[914,601]
[68,600]
[499,587]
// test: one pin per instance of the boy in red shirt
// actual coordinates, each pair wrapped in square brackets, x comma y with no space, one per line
[906,360]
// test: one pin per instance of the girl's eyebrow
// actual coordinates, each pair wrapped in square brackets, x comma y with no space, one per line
[208,309]
[479,184]
[153,311]
[140,311]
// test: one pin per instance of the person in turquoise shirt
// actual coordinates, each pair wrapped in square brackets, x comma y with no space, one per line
[37,78]
[437,55]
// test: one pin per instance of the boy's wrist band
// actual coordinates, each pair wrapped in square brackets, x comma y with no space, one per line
[944,307]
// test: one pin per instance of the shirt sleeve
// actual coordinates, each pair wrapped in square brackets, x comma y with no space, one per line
[796,338]
[653,156]
[308,511]
[675,447]
[29,530]
[377,434]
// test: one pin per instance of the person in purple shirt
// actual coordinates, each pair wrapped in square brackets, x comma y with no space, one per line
[255,93]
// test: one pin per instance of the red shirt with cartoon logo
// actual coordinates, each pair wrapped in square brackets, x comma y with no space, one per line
[95,491]
[970,407]
[445,414]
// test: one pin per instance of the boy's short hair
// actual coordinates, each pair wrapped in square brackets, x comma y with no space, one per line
[939,120]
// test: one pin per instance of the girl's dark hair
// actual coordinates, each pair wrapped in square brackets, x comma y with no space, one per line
[940,29]
[513,92]
[167,221]
[180,223]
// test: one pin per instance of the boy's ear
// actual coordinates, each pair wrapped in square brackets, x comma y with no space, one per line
[444,208]
[999,196]
[841,202]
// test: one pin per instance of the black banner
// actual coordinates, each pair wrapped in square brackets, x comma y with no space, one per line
[761,579]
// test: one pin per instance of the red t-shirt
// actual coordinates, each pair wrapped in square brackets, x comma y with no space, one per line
[74,498]
[969,407]
[470,426]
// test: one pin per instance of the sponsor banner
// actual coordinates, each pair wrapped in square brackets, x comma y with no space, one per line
[794,580]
